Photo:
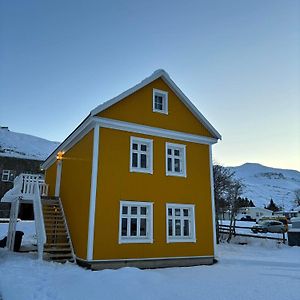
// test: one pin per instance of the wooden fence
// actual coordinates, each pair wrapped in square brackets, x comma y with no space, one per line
[226,229]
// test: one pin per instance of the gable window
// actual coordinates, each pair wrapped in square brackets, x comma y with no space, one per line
[180,223]
[160,101]
[136,222]
[8,176]
[141,155]
[175,160]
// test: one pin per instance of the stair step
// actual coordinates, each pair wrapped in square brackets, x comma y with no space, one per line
[57,233]
[57,255]
[56,244]
[47,250]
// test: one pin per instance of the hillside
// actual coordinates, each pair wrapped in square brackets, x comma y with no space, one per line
[20,145]
[263,183]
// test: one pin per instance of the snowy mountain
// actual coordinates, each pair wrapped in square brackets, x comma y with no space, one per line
[263,183]
[20,145]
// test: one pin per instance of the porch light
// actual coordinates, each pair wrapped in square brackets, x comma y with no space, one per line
[59,155]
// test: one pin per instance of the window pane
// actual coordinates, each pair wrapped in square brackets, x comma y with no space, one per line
[185,212]
[125,210]
[158,106]
[143,210]
[124,227]
[186,228]
[177,228]
[177,211]
[143,161]
[170,228]
[143,147]
[143,227]
[134,160]
[169,164]
[133,228]
[176,152]
[133,210]
[169,211]
[134,146]
[170,151]
[177,165]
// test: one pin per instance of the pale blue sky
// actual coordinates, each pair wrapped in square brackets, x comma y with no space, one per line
[238,61]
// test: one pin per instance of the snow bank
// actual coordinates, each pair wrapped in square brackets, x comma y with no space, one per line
[243,272]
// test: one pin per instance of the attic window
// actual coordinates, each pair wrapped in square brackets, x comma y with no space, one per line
[160,101]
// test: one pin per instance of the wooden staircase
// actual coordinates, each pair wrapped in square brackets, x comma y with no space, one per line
[58,246]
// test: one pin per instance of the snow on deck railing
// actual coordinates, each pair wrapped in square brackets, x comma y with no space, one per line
[24,187]
[39,220]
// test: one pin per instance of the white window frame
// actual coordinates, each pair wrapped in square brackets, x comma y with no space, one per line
[164,94]
[182,151]
[149,154]
[8,174]
[181,239]
[149,221]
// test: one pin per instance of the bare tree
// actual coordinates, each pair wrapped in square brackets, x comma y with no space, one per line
[235,191]
[226,191]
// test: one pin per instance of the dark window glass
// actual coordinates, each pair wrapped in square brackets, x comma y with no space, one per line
[177,228]
[185,212]
[124,227]
[158,102]
[170,228]
[177,212]
[143,147]
[134,146]
[143,227]
[133,228]
[143,210]
[124,210]
[186,228]
[133,210]
[143,161]
[177,165]
[170,151]
[169,164]
[169,211]
[134,160]
[176,152]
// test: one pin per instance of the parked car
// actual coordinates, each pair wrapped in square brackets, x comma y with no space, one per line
[281,219]
[247,218]
[269,226]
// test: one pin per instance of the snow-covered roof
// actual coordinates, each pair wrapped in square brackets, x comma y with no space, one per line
[160,73]
[25,146]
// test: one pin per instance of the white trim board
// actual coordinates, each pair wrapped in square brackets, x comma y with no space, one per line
[93,192]
[166,78]
[154,131]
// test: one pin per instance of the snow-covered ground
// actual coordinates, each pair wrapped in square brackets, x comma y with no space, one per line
[263,183]
[262,270]
[20,145]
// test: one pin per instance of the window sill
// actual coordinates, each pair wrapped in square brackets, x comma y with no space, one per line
[176,174]
[181,240]
[147,171]
[160,112]
[135,241]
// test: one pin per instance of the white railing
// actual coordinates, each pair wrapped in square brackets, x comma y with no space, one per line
[14,211]
[24,188]
[39,220]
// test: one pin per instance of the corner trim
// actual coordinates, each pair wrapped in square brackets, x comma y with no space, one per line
[94,176]
[212,199]
[58,177]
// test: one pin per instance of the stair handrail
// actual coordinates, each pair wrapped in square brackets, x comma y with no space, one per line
[39,220]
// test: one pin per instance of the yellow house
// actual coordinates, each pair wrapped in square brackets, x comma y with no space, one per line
[135,180]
